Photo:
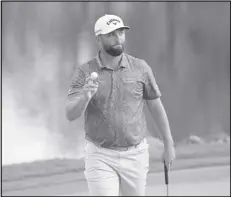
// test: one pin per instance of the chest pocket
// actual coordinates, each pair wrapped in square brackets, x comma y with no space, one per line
[132,87]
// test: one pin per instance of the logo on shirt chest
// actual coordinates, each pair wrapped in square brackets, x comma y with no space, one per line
[130,77]
[132,86]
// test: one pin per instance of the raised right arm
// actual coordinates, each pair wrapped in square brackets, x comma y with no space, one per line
[77,100]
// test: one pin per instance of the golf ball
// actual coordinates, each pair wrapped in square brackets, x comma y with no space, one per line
[94,76]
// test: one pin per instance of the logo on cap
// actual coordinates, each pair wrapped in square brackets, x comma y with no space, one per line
[113,20]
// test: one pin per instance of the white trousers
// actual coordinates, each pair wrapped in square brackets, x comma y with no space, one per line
[113,173]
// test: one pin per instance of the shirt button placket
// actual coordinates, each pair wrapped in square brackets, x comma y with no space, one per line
[113,102]
[113,81]
[113,89]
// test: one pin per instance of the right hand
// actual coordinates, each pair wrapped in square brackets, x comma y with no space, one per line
[90,87]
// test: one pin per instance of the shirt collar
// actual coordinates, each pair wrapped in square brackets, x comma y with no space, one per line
[122,63]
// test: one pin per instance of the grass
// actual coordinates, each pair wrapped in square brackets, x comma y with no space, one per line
[186,156]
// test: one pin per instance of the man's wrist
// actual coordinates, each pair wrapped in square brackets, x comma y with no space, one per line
[168,142]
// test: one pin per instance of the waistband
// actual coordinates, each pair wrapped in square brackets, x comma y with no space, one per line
[118,148]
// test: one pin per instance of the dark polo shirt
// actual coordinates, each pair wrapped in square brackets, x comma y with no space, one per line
[115,115]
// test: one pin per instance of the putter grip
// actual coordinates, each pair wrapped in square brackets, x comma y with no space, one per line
[166,173]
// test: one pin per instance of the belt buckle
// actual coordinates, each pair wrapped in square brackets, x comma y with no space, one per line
[120,149]
[117,148]
[127,148]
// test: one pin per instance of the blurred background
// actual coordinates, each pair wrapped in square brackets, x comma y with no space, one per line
[187,44]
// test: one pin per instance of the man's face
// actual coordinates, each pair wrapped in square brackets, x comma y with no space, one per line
[113,42]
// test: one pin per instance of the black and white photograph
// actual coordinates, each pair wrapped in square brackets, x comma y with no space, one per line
[115,98]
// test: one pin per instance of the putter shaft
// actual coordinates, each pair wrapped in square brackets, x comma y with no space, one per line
[167,190]
[166,176]
[166,173]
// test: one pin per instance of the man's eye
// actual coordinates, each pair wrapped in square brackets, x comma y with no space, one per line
[121,31]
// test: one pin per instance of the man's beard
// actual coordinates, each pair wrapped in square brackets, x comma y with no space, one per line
[114,51]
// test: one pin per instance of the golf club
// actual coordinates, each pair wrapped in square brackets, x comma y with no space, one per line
[166,176]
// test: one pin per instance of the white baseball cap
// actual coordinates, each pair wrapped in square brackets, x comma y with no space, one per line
[108,23]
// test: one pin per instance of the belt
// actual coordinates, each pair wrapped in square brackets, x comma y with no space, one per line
[117,148]
[121,148]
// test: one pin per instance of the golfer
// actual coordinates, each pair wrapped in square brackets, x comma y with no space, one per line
[116,149]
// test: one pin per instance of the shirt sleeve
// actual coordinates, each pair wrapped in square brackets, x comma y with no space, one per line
[77,82]
[151,89]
